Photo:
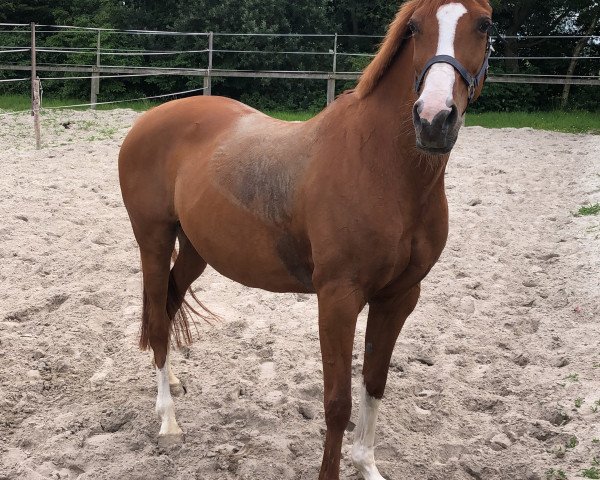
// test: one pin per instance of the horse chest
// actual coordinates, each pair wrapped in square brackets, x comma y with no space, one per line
[416,252]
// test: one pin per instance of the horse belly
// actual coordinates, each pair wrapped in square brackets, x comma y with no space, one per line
[245,249]
[235,201]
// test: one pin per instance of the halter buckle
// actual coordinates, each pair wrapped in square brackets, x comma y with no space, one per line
[471,89]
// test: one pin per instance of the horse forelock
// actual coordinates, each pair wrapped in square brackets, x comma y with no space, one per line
[397,37]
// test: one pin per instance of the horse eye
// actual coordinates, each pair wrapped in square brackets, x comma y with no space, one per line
[412,27]
[485,26]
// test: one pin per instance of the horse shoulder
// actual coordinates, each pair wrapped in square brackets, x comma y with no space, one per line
[260,163]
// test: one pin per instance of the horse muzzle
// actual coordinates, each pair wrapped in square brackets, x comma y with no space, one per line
[438,135]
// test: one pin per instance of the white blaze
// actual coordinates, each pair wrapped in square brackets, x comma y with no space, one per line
[439,84]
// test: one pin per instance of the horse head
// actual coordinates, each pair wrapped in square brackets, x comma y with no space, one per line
[452,45]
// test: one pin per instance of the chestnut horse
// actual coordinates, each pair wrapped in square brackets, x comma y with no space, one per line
[349,205]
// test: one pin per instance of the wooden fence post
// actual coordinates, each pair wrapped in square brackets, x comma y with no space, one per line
[36,113]
[95,87]
[35,91]
[207,78]
[331,79]
[330,90]
[33,62]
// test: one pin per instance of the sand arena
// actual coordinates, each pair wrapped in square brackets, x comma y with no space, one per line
[495,376]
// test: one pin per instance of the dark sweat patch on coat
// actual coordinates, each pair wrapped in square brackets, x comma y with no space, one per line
[293,256]
[264,187]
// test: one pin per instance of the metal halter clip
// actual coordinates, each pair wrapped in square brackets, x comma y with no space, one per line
[471,89]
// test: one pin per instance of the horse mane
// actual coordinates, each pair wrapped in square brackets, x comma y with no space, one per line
[394,41]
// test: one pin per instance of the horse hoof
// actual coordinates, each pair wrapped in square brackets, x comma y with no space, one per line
[170,440]
[177,389]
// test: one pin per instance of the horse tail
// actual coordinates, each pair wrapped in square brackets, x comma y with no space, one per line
[178,315]
[178,312]
[144,333]
[183,313]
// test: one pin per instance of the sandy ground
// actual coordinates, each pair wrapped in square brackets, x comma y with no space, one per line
[495,376]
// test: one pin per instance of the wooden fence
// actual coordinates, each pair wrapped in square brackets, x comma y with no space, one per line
[98,71]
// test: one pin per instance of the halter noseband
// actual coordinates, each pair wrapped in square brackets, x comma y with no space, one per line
[472,81]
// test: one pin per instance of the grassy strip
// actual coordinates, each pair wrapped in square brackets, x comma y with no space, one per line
[292,116]
[16,103]
[559,121]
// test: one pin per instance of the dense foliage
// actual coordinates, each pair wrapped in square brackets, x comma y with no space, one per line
[513,17]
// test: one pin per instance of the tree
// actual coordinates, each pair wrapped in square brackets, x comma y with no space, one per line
[590,17]
[358,17]
[25,11]
[515,18]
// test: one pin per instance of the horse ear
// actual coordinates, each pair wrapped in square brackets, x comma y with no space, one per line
[396,37]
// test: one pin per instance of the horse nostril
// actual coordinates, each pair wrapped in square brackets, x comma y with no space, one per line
[417,109]
[452,117]
[420,104]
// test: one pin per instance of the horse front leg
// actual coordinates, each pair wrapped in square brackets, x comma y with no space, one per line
[339,307]
[386,318]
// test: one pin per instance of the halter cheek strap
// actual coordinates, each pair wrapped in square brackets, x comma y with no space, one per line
[472,81]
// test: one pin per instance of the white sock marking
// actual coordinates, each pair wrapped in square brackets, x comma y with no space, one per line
[439,84]
[363,450]
[165,407]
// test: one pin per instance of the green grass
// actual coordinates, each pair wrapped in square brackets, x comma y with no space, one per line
[17,103]
[572,442]
[589,210]
[553,474]
[570,122]
[292,116]
[591,472]
[573,377]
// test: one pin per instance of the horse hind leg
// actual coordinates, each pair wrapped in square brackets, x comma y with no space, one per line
[188,266]
[156,245]
[163,316]
[175,386]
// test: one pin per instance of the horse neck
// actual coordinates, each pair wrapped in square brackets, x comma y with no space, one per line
[387,110]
